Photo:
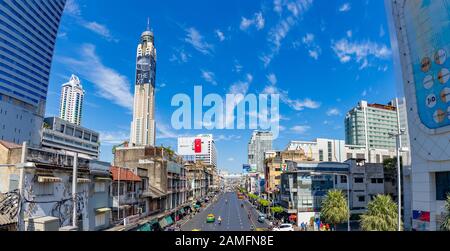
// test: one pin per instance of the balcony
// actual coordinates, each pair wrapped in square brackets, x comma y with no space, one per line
[126,199]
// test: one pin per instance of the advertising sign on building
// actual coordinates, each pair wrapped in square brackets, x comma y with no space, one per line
[192,146]
[428,34]
[144,70]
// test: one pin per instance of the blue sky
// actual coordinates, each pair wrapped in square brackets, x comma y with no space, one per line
[322,56]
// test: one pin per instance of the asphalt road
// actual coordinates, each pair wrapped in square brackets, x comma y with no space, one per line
[234,217]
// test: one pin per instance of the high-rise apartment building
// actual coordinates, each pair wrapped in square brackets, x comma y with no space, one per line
[201,148]
[72,96]
[260,143]
[143,127]
[369,125]
[28,31]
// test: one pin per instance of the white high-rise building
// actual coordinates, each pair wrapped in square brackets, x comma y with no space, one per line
[143,127]
[27,41]
[200,148]
[72,96]
[260,143]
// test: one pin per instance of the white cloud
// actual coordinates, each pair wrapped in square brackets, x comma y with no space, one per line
[72,8]
[209,77]
[272,79]
[280,31]
[194,38]
[360,52]
[295,104]
[180,56]
[220,35]
[333,112]
[345,7]
[300,129]
[257,21]
[100,29]
[231,159]
[277,6]
[237,66]
[110,84]
[114,138]
[313,49]
[227,138]
[349,33]
[164,132]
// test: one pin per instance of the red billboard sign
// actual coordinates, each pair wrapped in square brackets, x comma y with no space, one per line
[198,146]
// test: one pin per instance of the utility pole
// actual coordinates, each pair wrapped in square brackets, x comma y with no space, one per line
[74,189]
[20,217]
[118,196]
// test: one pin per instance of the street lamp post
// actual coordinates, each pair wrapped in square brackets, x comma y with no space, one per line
[399,177]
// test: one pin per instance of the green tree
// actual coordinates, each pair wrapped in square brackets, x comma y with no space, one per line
[334,208]
[277,210]
[263,202]
[445,226]
[381,215]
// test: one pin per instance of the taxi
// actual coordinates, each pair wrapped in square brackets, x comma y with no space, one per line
[210,218]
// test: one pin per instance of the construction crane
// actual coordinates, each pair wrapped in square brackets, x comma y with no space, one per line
[125,144]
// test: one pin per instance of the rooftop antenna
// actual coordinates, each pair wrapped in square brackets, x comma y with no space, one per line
[148,23]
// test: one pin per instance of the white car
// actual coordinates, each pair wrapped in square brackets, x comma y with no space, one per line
[284,228]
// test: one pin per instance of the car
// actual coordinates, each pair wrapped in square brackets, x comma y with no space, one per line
[284,228]
[196,230]
[261,218]
[210,218]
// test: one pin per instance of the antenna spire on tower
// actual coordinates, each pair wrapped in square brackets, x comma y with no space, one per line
[148,23]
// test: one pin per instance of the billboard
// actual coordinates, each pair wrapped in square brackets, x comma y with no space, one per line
[145,70]
[192,146]
[428,35]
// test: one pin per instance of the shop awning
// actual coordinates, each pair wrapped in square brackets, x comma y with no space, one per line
[82,180]
[169,220]
[102,179]
[48,179]
[163,223]
[103,210]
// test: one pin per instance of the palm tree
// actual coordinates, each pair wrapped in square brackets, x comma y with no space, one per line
[335,208]
[381,215]
[446,223]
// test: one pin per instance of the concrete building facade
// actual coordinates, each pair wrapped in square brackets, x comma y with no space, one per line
[62,135]
[48,187]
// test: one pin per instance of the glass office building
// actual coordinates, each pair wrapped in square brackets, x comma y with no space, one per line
[28,30]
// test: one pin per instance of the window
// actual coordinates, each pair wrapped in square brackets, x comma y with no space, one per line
[43,189]
[373,181]
[13,182]
[100,187]
[380,181]
[359,180]
[442,185]
[100,220]
[320,155]
[343,179]
[362,198]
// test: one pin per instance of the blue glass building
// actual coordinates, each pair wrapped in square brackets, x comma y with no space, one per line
[28,30]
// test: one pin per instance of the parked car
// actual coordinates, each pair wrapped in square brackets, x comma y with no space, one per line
[284,228]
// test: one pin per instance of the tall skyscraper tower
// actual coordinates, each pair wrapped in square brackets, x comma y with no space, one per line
[143,127]
[27,41]
[72,96]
